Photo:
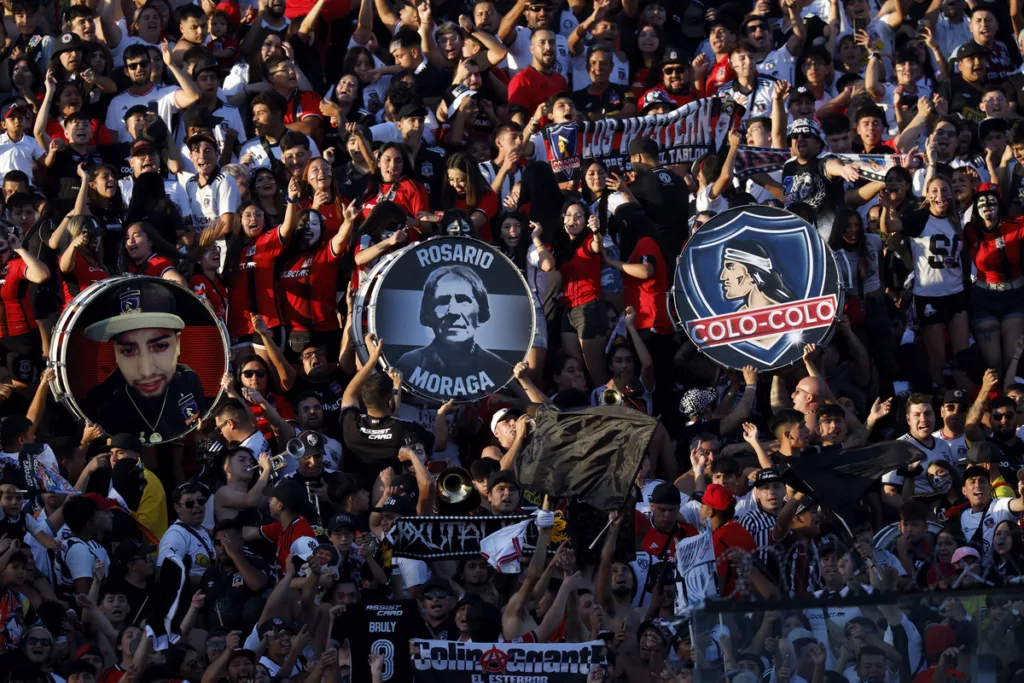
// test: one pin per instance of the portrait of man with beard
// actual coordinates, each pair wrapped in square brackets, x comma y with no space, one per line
[454,306]
[149,393]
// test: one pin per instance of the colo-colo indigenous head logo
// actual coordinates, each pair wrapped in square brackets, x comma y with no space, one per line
[754,285]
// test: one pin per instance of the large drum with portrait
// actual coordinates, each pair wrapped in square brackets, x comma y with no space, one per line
[754,285]
[139,354]
[455,316]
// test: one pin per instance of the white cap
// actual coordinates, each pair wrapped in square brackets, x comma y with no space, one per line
[498,417]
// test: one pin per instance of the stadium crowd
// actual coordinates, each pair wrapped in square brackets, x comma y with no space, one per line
[267,155]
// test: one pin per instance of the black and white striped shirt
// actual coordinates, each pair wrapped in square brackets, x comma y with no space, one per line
[490,170]
[760,524]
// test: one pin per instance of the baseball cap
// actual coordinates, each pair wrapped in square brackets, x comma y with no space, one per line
[799,634]
[206,64]
[275,624]
[938,639]
[313,443]
[397,505]
[673,56]
[128,549]
[653,98]
[11,108]
[411,110]
[984,451]
[436,583]
[666,493]
[199,137]
[88,650]
[500,416]
[241,652]
[965,551]
[643,146]
[956,396]
[717,497]
[101,502]
[992,124]
[970,49]
[126,441]
[805,127]
[142,146]
[135,109]
[340,521]
[768,476]
[502,477]
[137,305]
[801,91]
[454,95]
[66,43]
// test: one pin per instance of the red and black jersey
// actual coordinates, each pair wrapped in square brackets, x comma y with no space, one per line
[252,290]
[409,194]
[997,253]
[213,292]
[721,73]
[302,105]
[488,205]
[281,405]
[154,266]
[15,306]
[82,274]
[298,539]
[307,287]
[653,541]
[581,276]
[331,217]
[648,297]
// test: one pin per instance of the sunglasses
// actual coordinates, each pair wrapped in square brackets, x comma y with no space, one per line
[137,65]
[435,595]
[1002,417]
[189,504]
[671,70]
[954,408]
[249,374]
[42,642]
[310,355]
[312,409]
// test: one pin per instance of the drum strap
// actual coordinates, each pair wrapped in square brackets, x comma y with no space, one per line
[254,302]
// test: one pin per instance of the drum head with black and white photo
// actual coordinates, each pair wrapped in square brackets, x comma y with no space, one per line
[455,316]
[140,355]
[754,285]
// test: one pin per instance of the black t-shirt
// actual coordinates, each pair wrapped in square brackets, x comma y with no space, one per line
[430,167]
[329,389]
[372,443]
[608,103]
[963,97]
[118,155]
[382,627]
[64,175]
[307,508]
[1012,460]
[808,182]
[666,200]
[226,592]
[113,233]
[137,597]
[684,434]
[431,81]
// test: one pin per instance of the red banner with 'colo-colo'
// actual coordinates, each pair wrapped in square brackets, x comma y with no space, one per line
[760,323]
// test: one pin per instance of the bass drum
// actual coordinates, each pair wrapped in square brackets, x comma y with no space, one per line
[455,316]
[887,535]
[140,355]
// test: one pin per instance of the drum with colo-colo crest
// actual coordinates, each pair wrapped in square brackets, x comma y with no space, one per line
[455,316]
[140,355]
[754,285]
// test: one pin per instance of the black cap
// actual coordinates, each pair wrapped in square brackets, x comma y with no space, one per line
[198,116]
[275,624]
[801,91]
[193,141]
[666,493]
[312,443]
[956,396]
[970,49]
[768,476]
[143,146]
[992,124]
[135,109]
[398,505]
[129,549]
[340,521]
[289,492]
[674,56]
[126,441]
[645,146]
[207,64]
[502,477]
[437,583]
[66,43]
[136,305]
[984,451]
[410,110]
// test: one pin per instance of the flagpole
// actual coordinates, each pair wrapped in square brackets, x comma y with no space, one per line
[598,537]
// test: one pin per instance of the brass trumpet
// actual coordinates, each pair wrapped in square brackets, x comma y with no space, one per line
[455,491]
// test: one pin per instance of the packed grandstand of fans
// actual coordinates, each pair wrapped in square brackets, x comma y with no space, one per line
[267,155]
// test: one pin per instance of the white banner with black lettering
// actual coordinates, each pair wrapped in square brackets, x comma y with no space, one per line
[695,560]
[443,661]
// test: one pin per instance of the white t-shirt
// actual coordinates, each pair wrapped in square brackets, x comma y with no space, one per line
[160,99]
[706,203]
[939,451]
[179,541]
[19,155]
[79,558]
[172,187]
[581,78]
[414,572]
[998,511]
[388,131]
[780,64]
[957,446]
[219,196]
[936,252]
[260,159]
